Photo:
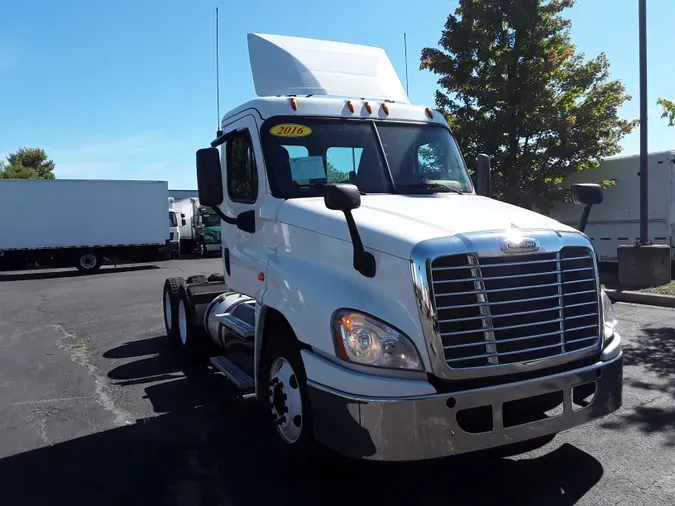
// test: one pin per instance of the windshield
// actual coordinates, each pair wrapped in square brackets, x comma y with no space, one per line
[172,219]
[210,220]
[303,154]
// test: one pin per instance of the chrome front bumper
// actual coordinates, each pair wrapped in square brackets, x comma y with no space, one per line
[416,428]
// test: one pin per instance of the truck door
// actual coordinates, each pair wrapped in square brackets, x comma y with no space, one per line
[243,255]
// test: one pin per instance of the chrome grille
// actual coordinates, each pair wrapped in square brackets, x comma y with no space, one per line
[514,309]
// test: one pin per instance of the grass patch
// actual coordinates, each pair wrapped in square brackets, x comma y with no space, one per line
[668,289]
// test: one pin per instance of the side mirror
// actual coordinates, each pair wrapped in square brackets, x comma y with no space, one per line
[587,194]
[483,175]
[209,177]
[345,198]
[342,197]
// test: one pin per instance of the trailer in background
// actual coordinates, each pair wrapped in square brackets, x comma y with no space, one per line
[74,222]
[617,220]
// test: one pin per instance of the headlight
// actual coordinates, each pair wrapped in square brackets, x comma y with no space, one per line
[608,319]
[363,339]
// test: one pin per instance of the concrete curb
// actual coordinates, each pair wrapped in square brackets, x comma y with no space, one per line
[651,299]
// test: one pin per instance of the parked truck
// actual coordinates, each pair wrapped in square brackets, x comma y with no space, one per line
[200,228]
[77,222]
[186,209]
[372,299]
[174,230]
[617,220]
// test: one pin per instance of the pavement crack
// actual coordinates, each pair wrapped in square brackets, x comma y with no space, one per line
[78,355]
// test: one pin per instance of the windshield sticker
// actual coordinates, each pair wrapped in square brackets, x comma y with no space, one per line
[290,130]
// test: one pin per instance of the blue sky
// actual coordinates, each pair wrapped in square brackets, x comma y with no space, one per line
[126,89]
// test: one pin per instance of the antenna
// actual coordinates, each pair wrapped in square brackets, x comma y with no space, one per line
[218,131]
[405,49]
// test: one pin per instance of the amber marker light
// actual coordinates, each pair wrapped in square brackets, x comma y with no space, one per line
[369,108]
[429,112]
[385,108]
[350,106]
[294,104]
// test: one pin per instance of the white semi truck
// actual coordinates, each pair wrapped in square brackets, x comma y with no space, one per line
[371,299]
[79,222]
[617,220]
[174,230]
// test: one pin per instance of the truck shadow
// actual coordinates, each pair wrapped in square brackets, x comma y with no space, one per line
[207,447]
[22,275]
[655,353]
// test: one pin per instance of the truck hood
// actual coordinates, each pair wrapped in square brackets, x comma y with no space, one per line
[393,224]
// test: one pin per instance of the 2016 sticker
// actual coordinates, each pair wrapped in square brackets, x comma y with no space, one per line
[290,130]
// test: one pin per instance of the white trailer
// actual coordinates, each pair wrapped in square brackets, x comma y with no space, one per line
[73,222]
[617,220]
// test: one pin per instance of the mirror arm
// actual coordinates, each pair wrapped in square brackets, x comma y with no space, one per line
[583,221]
[224,217]
[364,261]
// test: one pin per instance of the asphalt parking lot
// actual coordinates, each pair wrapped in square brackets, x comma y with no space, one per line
[95,409]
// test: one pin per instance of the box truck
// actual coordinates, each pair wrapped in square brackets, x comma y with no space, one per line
[71,222]
[617,219]
[372,299]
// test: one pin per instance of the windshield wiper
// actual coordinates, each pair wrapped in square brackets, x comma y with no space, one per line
[429,187]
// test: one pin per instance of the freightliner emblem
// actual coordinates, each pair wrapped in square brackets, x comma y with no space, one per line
[520,245]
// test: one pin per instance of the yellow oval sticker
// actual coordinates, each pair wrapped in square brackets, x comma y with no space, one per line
[290,130]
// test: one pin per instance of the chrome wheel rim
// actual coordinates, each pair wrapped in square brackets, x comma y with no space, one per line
[285,400]
[167,310]
[88,261]
[182,322]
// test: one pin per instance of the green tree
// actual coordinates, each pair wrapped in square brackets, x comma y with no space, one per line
[27,163]
[334,175]
[668,110]
[513,86]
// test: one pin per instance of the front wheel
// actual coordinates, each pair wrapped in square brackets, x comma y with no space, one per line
[284,395]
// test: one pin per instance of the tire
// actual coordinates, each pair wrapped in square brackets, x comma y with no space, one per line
[200,278]
[170,307]
[284,392]
[192,340]
[88,261]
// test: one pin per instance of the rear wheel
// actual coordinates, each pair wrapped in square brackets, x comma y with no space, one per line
[88,261]
[170,305]
[284,395]
[192,341]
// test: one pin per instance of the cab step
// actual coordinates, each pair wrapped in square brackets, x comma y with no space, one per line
[234,373]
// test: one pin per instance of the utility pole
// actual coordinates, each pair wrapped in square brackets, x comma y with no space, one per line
[643,264]
[644,169]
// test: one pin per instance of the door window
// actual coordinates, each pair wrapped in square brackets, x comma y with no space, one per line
[242,173]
